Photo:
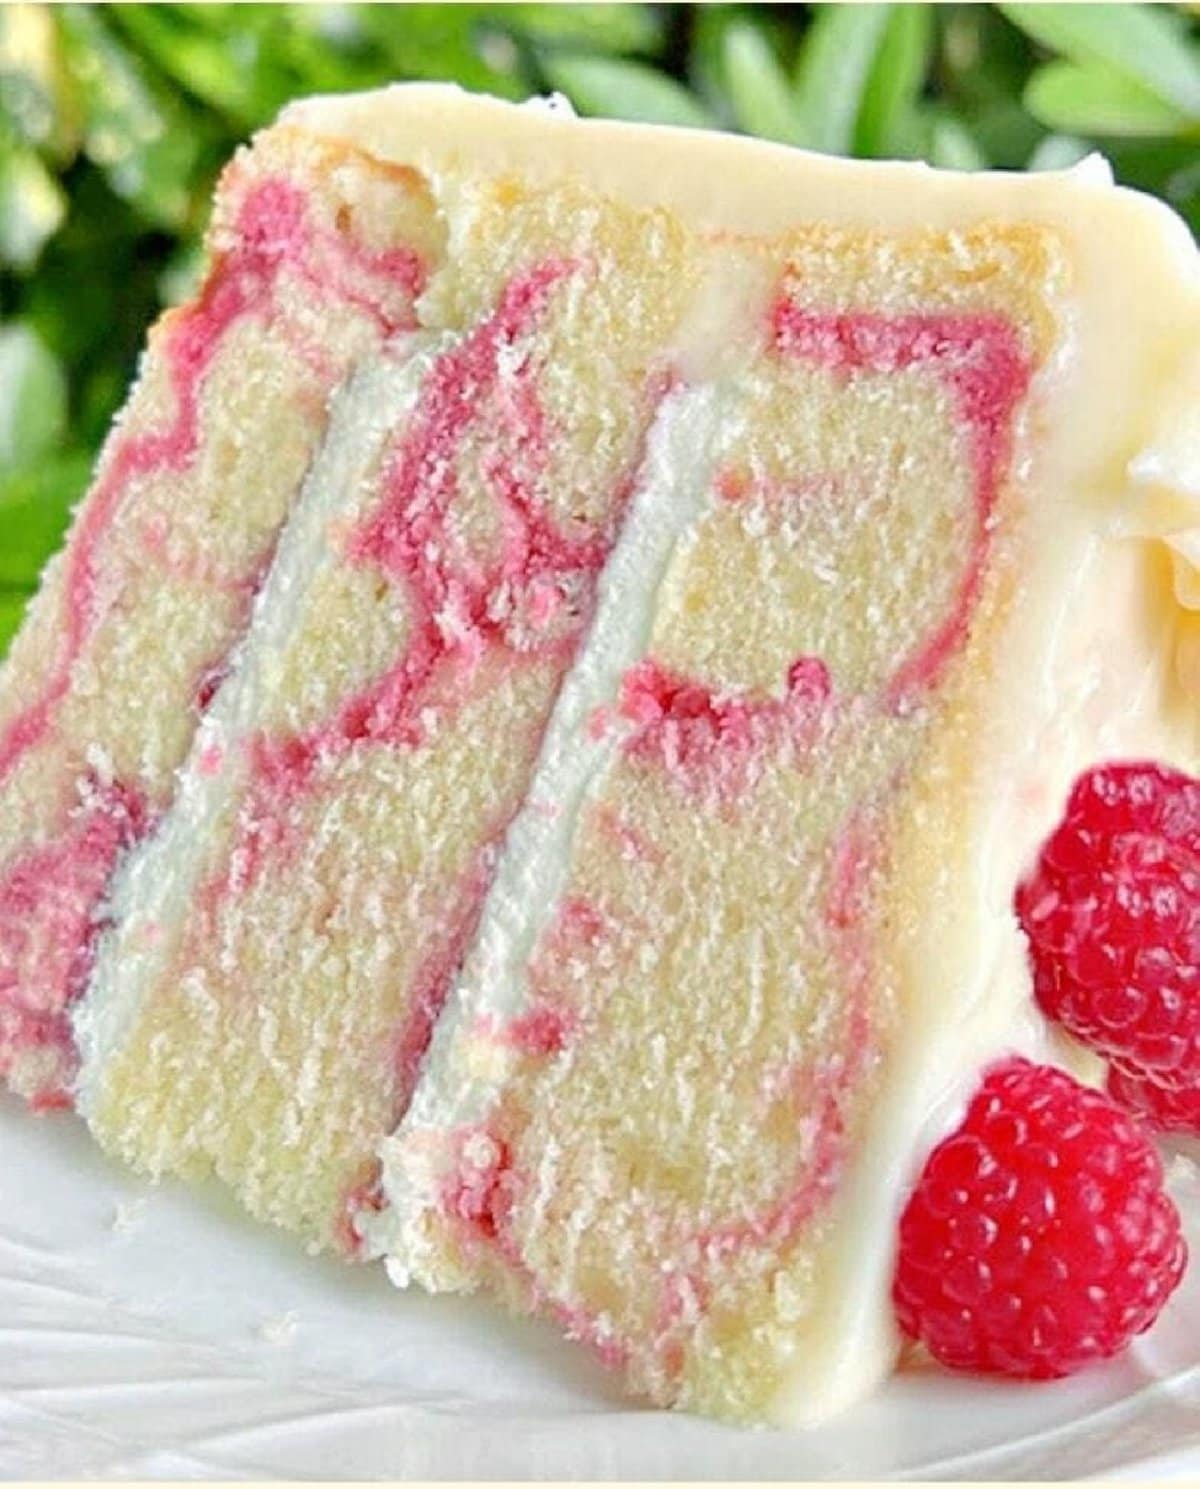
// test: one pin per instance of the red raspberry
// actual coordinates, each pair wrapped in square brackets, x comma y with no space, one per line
[1161,1107]
[1039,1236]
[1112,913]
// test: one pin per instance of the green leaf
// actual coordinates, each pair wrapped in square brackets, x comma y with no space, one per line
[233,70]
[835,62]
[101,395]
[953,146]
[33,397]
[33,95]
[440,42]
[134,131]
[593,28]
[1183,185]
[325,47]
[12,612]
[1140,42]
[236,13]
[1003,130]
[1095,100]
[981,59]
[895,81]
[1057,152]
[32,205]
[625,90]
[180,278]
[35,507]
[758,88]
[94,289]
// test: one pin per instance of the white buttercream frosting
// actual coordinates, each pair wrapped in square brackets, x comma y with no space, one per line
[1164,500]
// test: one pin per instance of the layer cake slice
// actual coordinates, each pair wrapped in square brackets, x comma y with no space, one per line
[690,620]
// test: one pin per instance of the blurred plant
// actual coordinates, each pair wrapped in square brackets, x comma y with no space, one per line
[114,121]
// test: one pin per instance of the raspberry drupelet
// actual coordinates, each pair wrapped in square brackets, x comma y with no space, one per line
[1162,1107]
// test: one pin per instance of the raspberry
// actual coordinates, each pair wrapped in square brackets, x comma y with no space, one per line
[1112,913]
[1039,1236]
[1161,1107]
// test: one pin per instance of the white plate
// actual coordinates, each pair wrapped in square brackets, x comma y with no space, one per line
[154,1333]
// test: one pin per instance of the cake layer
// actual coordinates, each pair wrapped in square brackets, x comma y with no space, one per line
[318,254]
[286,940]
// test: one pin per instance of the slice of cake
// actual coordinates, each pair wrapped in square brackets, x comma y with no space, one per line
[318,252]
[687,625]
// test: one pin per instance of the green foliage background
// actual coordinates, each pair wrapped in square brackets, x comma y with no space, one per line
[114,121]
